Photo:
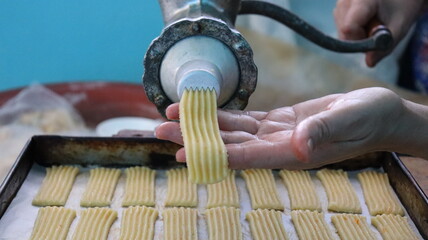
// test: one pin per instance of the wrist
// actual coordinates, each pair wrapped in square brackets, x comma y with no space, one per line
[411,133]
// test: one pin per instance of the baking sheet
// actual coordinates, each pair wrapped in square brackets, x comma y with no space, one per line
[18,221]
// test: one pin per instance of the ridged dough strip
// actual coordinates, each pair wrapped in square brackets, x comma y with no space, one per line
[266,224]
[139,187]
[301,190]
[100,188]
[379,196]
[340,193]
[56,186]
[310,225]
[223,193]
[94,223]
[206,154]
[262,189]
[138,223]
[181,192]
[52,223]
[224,223]
[393,227]
[352,227]
[180,223]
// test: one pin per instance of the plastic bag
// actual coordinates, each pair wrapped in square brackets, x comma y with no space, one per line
[35,110]
[39,107]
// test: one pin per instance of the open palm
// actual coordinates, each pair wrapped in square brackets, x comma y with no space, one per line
[306,135]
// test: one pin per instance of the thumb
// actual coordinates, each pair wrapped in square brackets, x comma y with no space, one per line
[320,135]
[373,58]
[309,134]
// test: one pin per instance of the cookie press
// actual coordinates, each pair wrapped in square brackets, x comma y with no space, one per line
[199,47]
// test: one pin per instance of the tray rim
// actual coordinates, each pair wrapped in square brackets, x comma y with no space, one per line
[16,176]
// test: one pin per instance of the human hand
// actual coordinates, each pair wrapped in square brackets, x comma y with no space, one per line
[306,135]
[353,17]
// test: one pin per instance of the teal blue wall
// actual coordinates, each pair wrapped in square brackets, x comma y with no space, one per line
[49,41]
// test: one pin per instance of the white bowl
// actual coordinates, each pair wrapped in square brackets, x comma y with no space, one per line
[112,126]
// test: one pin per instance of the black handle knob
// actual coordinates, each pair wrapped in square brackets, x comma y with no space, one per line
[380,38]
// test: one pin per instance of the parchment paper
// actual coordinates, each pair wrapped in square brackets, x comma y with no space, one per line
[18,221]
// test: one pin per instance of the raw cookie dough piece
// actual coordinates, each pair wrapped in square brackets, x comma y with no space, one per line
[379,196]
[94,223]
[206,154]
[266,224]
[301,190]
[262,189]
[56,186]
[101,186]
[181,192]
[310,225]
[52,223]
[138,223]
[224,193]
[224,223]
[341,195]
[180,223]
[352,227]
[139,187]
[393,227]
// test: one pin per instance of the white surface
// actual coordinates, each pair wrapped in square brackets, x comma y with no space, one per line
[112,126]
[17,223]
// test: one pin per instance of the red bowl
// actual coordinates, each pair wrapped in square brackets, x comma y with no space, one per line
[98,101]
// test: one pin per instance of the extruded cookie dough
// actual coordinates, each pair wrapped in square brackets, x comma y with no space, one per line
[301,190]
[56,186]
[138,223]
[224,193]
[266,224]
[52,223]
[224,223]
[140,187]
[393,227]
[180,223]
[205,151]
[311,225]
[352,227]
[379,196]
[181,192]
[262,189]
[94,223]
[341,195]
[101,186]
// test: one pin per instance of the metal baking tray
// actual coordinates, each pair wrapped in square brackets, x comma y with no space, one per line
[158,154]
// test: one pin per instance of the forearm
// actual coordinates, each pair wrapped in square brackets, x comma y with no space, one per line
[411,136]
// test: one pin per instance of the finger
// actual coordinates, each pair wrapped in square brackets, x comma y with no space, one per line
[396,27]
[373,58]
[302,143]
[169,131]
[172,111]
[260,154]
[351,18]
[237,121]
[258,115]
[242,157]
[180,155]
[236,137]
[245,156]
[340,11]
[355,22]
[228,120]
